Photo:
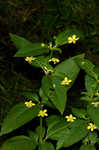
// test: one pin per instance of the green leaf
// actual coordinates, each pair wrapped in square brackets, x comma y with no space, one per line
[46,146]
[62,38]
[18,143]
[18,116]
[69,68]
[87,147]
[31,95]
[57,127]
[90,84]
[93,113]
[76,131]
[87,66]
[58,95]
[27,48]
[79,112]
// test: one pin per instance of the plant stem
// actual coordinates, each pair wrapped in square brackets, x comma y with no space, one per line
[40,129]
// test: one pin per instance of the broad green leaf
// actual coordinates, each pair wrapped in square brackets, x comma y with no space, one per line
[51,119]
[18,116]
[46,146]
[79,112]
[87,147]
[27,48]
[57,127]
[93,112]
[62,38]
[69,68]
[46,84]
[58,95]
[90,85]
[18,143]
[32,96]
[76,131]
[87,66]
[57,98]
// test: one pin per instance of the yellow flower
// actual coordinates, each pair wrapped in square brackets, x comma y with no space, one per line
[54,60]
[95,104]
[29,104]
[70,118]
[30,59]
[91,127]
[66,81]
[54,86]
[73,39]
[97,93]
[43,113]
[47,71]
[42,44]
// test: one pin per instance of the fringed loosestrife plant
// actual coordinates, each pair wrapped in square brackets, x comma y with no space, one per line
[73,39]
[53,94]
[29,104]
[70,118]
[91,127]
[66,81]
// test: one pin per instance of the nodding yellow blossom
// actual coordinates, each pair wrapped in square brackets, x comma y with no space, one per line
[54,60]
[54,86]
[43,113]
[29,104]
[82,62]
[42,44]
[30,59]
[95,104]
[73,39]
[47,71]
[66,81]
[70,118]
[91,127]
[97,93]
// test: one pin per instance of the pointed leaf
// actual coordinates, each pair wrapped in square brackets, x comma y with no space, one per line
[27,48]
[76,131]
[62,38]
[18,116]
[57,127]
[93,113]
[46,146]
[18,143]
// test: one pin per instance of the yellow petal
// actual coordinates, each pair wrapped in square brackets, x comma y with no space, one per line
[74,36]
